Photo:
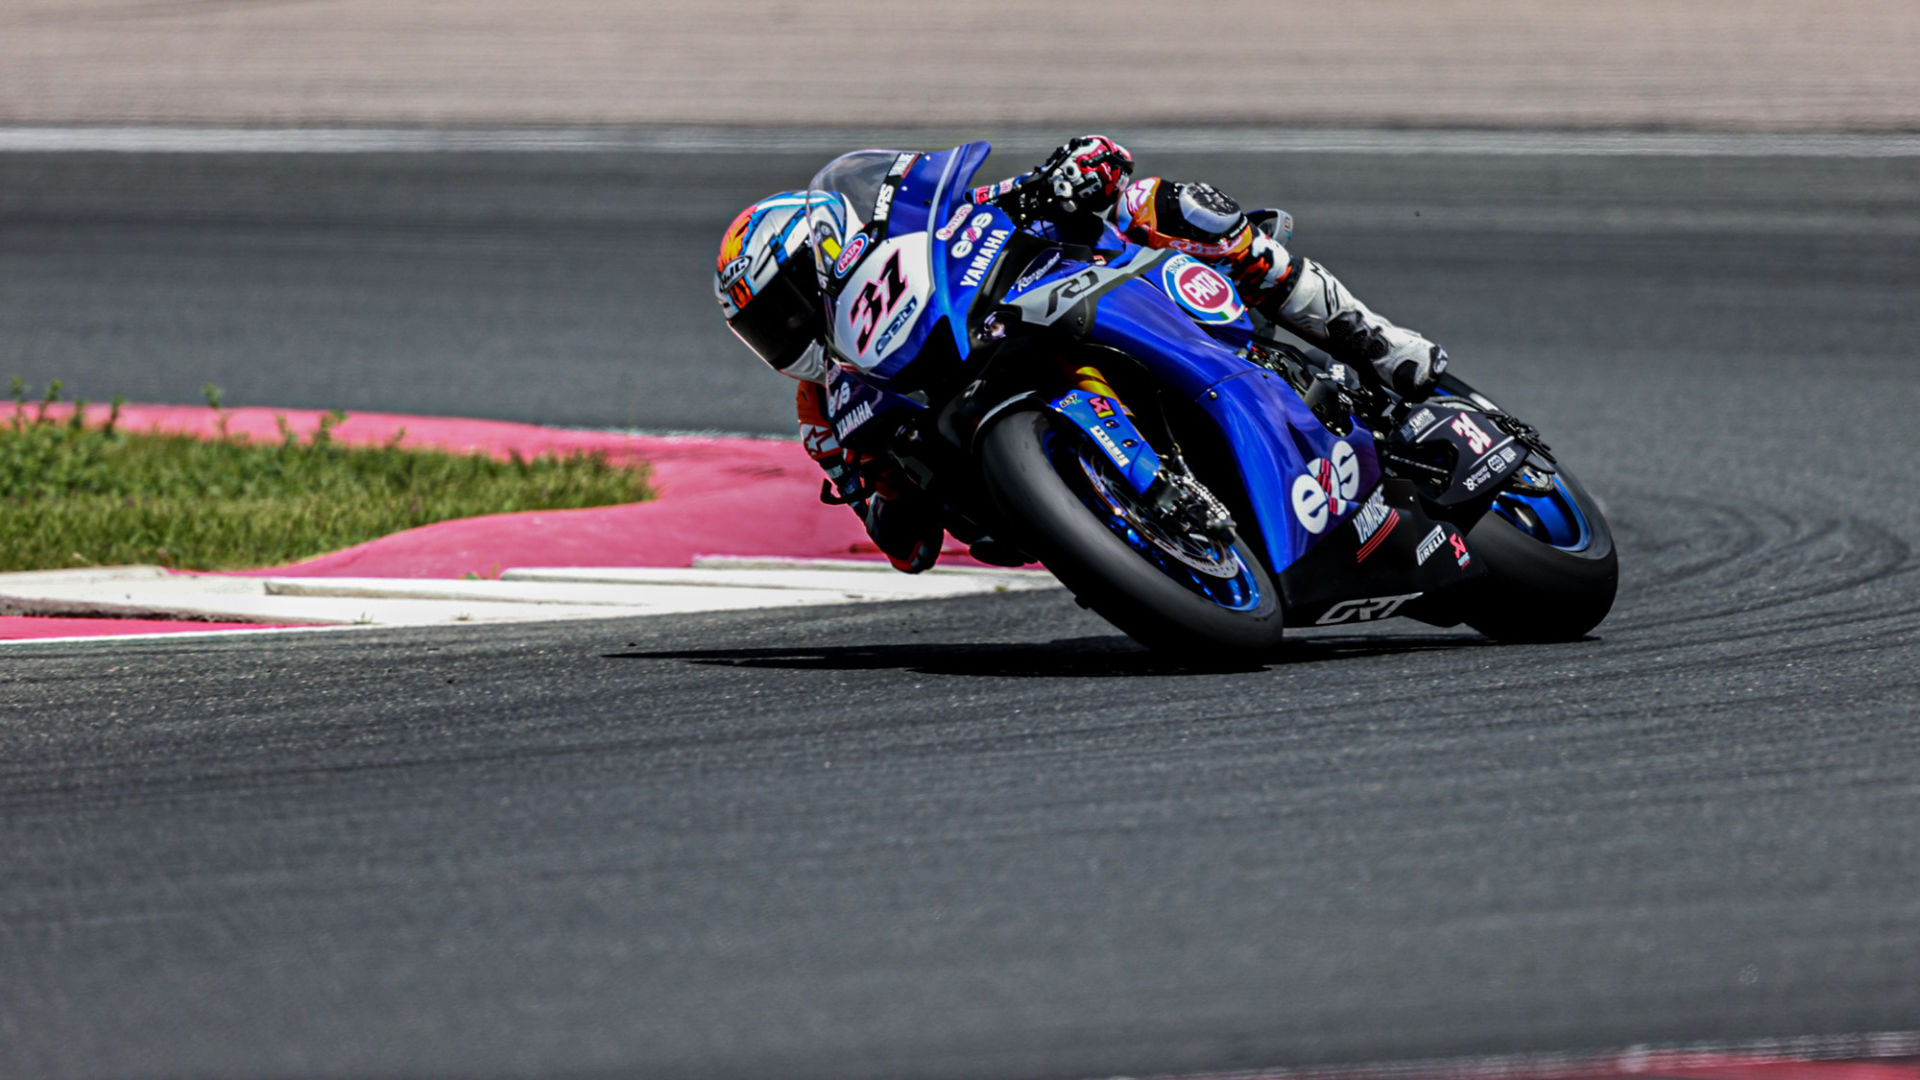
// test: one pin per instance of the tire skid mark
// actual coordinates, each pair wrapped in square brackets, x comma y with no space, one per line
[1701,559]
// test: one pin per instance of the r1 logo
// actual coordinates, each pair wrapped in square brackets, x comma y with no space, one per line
[1071,289]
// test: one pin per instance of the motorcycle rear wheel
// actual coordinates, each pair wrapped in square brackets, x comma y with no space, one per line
[1037,480]
[1536,590]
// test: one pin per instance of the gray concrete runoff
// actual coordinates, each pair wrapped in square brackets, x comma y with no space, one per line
[684,139]
[1753,65]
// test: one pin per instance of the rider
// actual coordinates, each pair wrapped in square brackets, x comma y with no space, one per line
[765,282]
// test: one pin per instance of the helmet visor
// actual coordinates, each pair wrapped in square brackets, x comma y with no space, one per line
[783,318]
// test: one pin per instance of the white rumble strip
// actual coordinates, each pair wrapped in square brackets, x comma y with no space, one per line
[530,594]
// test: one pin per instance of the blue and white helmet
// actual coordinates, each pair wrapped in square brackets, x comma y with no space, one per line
[765,280]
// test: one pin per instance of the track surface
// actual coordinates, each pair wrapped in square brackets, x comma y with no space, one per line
[985,838]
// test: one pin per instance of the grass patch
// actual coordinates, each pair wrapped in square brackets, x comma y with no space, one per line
[73,495]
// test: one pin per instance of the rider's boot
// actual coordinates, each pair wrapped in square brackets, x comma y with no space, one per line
[1312,303]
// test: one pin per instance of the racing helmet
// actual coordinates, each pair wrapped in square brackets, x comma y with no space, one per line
[765,279]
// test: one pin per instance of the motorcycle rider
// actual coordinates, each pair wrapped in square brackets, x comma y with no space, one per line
[764,281]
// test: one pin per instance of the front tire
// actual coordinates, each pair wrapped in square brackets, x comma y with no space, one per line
[1540,586]
[1038,481]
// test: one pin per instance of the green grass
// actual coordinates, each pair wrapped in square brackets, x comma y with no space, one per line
[72,495]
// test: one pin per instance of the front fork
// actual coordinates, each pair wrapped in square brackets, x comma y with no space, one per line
[1165,483]
[1093,407]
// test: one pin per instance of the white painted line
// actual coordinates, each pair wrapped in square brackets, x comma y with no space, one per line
[865,566]
[183,635]
[1751,1058]
[695,140]
[866,580]
[523,595]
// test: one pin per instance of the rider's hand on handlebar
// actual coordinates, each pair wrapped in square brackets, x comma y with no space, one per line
[1025,198]
[1086,174]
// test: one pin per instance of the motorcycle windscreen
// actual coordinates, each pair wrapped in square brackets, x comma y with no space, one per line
[882,280]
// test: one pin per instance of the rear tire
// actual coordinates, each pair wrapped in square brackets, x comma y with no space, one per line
[1534,591]
[1101,569]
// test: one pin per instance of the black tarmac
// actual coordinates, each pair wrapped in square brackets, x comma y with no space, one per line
[988,837]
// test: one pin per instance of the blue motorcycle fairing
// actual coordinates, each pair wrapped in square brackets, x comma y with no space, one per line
[1109,427]
[1228,321]
[933,192]
[1220,313]
[929,194]
[853,402]
[1302,489]
[1049,265]
[1302,480]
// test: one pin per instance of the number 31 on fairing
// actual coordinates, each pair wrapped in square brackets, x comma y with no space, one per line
[879,301]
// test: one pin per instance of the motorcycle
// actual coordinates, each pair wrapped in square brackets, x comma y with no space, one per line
[1118,414]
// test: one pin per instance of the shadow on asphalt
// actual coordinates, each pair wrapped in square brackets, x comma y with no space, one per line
[1088,657]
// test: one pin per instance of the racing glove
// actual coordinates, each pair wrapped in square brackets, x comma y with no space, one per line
[1085,175]
[900,519]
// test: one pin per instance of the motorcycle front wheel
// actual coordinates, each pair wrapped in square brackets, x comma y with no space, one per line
[1172,589]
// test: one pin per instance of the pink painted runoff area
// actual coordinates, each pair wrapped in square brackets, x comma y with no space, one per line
[715,496]
[36,627]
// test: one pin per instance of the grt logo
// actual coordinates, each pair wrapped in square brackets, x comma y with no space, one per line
[1377,607]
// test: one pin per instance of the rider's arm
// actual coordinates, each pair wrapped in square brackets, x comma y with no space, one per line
[904,525]
[1073,190]
[816,435]
[1205,222]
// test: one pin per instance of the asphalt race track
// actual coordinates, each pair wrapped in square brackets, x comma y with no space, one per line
[987,837]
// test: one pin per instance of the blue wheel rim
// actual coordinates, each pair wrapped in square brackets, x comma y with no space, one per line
[1553,518]
[1240,592]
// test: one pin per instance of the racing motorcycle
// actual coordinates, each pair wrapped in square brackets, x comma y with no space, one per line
[1118,414]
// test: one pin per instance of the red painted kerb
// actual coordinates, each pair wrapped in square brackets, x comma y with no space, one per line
[717,495]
